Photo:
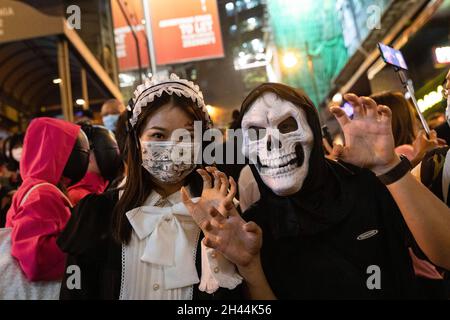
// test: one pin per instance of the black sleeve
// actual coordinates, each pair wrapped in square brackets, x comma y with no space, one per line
[86,240]
[431,170]
[395,224]
[443,132]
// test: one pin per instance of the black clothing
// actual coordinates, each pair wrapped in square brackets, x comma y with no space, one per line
[319,245]
[87,239]
[233,160]
[331,239]
[443,132]
[431,172]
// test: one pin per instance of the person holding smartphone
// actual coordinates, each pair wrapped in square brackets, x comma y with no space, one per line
[409,141]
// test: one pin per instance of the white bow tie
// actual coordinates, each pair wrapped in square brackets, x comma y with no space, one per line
[167,244]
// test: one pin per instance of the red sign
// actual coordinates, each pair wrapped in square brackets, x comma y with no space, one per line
[126,50]
[185,30]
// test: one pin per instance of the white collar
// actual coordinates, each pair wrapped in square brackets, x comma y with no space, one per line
[167,244]
[154,197]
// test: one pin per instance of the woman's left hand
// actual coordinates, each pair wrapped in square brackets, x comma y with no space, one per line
[215,192]
[224,229]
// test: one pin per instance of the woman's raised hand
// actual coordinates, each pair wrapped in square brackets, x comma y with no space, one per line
[223,227]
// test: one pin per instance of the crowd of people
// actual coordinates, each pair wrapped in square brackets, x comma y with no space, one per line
[108,212]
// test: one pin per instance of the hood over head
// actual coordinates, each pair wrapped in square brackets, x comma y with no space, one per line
[47,147]
[321,202]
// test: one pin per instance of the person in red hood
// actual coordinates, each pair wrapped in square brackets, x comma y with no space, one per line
[104,163]
[55,154]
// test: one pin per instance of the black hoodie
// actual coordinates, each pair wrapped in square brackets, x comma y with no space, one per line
[335,237]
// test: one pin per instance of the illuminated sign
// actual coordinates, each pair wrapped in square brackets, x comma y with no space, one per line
[431,99]
[185,30]
[442,55]
[126,50]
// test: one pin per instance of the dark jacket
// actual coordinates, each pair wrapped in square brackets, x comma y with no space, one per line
[327,245]
[87,239]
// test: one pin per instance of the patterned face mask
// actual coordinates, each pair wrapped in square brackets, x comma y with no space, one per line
[168,161]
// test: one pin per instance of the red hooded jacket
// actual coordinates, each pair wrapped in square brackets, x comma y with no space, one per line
[37,222]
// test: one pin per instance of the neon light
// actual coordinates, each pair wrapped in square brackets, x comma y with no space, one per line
[431,99]
[442,55]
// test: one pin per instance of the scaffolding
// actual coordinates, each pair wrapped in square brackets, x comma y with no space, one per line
[313,33]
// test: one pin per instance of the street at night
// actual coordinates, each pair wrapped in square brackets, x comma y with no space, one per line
[217,150]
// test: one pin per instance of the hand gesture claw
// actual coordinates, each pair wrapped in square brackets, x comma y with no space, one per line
[223,227]
[369,141]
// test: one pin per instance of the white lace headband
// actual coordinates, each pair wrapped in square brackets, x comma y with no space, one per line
[156,86]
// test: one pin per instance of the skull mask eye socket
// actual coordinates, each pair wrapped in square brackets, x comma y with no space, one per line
[288,125]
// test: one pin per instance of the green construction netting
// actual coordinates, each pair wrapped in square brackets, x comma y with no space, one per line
[312,31]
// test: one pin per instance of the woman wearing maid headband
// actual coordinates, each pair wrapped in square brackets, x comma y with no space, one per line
[140,242]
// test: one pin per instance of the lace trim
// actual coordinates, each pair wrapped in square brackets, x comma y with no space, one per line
[194,252]
[122,274]
[156,86]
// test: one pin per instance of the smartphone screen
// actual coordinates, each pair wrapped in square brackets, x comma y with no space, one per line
[392,56]
[348,108]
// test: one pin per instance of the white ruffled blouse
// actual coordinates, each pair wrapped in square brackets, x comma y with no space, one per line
[159,261]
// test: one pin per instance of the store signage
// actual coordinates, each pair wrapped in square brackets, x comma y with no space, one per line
[442,55]
[431,99]
[185,30]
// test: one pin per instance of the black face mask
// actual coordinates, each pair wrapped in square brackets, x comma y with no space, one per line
[106,150]
[78,162]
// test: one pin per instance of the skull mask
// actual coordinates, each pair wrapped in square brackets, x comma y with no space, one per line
[278,141]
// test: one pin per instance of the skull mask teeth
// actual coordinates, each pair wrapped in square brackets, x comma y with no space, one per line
[278,141]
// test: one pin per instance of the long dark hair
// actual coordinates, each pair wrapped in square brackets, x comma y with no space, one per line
[403,116]
[317,164]
[138,184]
